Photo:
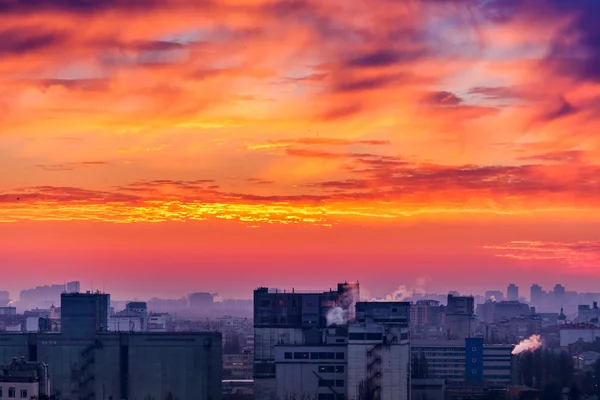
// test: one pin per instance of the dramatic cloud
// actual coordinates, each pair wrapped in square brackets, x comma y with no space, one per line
[585,254]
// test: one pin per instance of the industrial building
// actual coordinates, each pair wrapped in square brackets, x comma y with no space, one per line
[85,361]
[467,361]
[290,317]
[379,351]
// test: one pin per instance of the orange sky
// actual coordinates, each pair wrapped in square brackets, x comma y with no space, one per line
[176,145]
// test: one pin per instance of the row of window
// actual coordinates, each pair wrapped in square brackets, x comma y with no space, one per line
[331,382]
[12,393]
[313,356]
[338,369]
[365,336]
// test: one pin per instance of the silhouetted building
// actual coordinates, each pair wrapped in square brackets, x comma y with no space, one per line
[536,295]
[84,314]
[512,292]
[460,305]
[86,362]
[200,300]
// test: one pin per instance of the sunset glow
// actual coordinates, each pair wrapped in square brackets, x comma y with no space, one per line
[281,119]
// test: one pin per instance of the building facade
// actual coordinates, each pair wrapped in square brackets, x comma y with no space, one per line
[293,318]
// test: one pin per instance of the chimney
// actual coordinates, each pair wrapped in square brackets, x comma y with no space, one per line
[595,304]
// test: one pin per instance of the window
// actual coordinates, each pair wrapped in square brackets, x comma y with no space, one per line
[0,392]
[330,356]
[394,310]
[339,356]
[339,340]
[301,356]
[314,356]
[326,382]
[339,369]
[323,356]
[11,392]
[374,336]
[356,336]
[326,368]
[339,383]
[23,393]
[287,355]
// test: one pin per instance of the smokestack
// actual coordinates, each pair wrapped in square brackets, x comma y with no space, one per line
[595,304]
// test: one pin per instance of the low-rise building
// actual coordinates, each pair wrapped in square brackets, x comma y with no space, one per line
[24,380]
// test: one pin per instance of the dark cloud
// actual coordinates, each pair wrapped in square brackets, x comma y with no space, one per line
[73,84]
[563,109]
[575,49]
[260,181]
[341,112]
[383,58]
[443,98]
[367,84]
[75,6]
[318,141]
[27,40]
[64,194]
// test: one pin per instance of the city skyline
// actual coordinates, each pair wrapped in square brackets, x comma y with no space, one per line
[238,143]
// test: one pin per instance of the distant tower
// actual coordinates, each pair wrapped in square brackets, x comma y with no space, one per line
[562,318]
[512,292]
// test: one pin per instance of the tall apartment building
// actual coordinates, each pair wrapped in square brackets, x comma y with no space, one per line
[293,318]
[87,362]
[536,295]
[512,292]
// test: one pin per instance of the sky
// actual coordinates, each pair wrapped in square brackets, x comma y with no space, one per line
[158,147]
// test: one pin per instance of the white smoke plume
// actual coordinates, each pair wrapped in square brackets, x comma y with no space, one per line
[530,344]
[337,316]
[493,298]
[401,294]
[344,310]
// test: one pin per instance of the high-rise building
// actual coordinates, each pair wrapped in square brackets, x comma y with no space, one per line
[536,294]
[289,317]
[512,292]
[559,293]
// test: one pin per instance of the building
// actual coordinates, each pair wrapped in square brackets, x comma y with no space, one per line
[84,315]
[237,366]
[571,333]
[85,361]
[512,292]
[426,312]
[8,310]
[200,300]
[588,315]
[289,317]
[536,295]
[464,305]
[379,351]
[73,287]
[24,380]
[559,293]
[311,371]
[159,322]
[466,361]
